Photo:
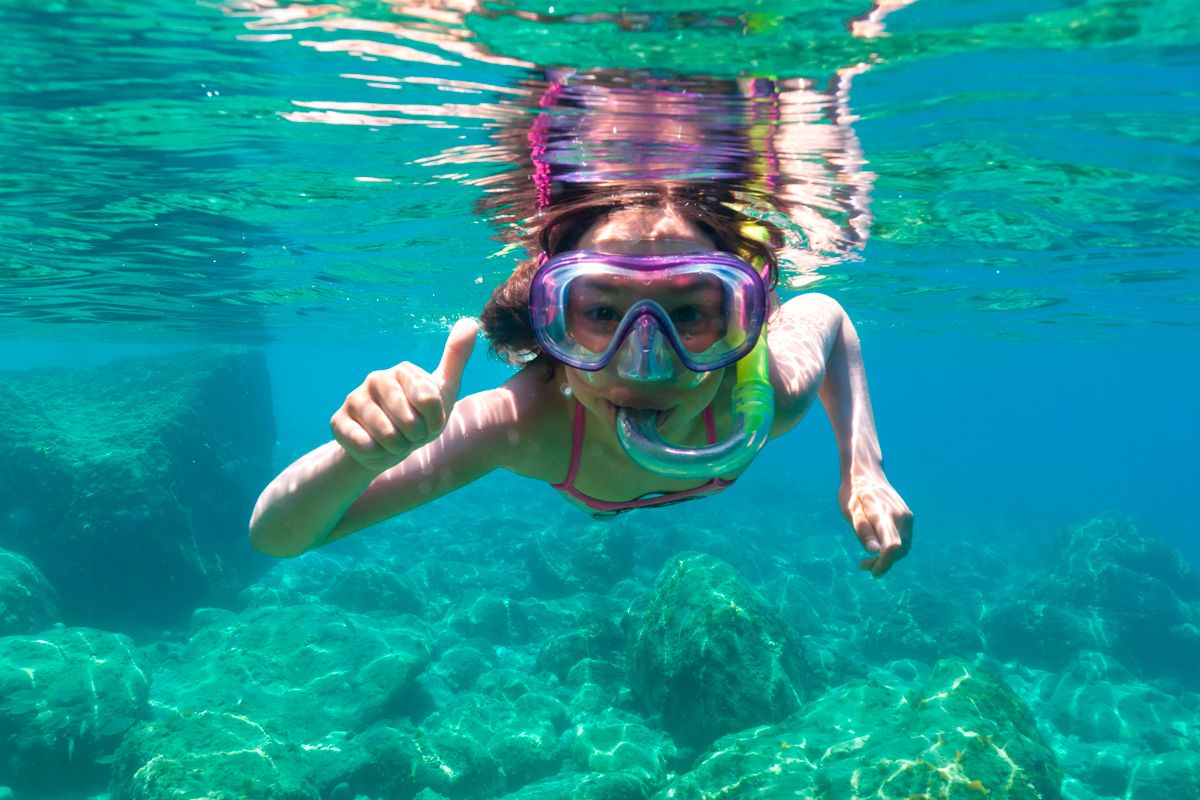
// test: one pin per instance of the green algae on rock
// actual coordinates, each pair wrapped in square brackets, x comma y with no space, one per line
[962,735]
[709,654]
[216,755]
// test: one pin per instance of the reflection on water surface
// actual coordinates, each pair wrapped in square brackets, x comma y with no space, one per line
[309,162]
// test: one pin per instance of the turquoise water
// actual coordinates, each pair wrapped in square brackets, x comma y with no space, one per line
[1003,197]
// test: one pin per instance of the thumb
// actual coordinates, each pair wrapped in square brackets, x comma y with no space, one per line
[459,346]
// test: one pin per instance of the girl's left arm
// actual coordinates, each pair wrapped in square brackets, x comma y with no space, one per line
[815,352]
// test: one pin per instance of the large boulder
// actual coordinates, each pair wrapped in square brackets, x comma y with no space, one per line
[130,485]
[1110,589]
[67,696]
[962,734]
[710,655]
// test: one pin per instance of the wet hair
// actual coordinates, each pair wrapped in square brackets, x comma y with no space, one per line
[506,320]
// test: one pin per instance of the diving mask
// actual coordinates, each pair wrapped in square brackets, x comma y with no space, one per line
[589,309]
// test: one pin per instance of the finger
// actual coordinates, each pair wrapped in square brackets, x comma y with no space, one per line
[385,432]
[459,346]
[864,530]
[423,402]
[393,398]
[358,444]
[889,544]
[350,435]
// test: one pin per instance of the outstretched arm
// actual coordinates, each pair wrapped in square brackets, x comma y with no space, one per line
[401,440]
[815,351]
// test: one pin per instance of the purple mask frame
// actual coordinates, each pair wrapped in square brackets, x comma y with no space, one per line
[542,312]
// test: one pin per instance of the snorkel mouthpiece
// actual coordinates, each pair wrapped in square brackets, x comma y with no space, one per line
[753,413]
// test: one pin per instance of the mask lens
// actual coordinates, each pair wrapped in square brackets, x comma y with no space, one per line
[596,304]
[707,307]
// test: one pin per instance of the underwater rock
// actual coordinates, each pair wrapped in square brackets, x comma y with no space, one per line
[562,560]
[521,736]
[381,762]
[28,603]
[962,734]
[1111,589]
[1037,634]
[476,748]
[591,786]
[461,665]
[136,480]
[306,670]
[67,696]
[922,625]
[1109,773]
[295,581]
[594,671]
[217,755]
[374,586]
[500,620]
[616,743]
[1097,700]
[591,635]
[708,654]
[1172,775]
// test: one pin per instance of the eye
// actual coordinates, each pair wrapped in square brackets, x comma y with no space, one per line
[687,315]
[601,314]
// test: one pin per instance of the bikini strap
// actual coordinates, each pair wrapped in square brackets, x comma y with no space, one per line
[576,447]
[580,425]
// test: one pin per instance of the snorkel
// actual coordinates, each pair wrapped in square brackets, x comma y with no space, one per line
[753,413]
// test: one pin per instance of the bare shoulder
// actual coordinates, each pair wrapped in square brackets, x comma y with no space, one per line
[800,334]
[538,422]
[498,414]
[519,425]
[809,313]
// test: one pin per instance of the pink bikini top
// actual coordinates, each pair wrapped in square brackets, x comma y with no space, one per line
[605,508]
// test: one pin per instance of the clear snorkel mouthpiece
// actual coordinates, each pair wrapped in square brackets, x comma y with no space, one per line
[753,413]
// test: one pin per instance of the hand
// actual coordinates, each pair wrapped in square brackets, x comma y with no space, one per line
[398,410]
[881,519]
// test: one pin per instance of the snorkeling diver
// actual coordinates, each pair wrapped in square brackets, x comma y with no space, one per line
[635,310]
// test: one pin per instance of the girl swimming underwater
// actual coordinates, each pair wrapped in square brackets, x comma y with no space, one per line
[631,323]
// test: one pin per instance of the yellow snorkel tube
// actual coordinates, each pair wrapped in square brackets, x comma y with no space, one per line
[753,414]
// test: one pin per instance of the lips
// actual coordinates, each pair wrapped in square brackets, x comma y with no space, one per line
[663,413]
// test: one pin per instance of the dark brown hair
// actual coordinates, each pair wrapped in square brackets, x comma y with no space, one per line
[709,207]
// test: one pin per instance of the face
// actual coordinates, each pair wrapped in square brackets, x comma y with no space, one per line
[603,392]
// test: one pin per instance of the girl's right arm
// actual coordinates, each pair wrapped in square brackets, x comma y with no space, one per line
[400,440]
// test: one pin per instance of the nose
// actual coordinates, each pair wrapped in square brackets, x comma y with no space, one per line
[645,355]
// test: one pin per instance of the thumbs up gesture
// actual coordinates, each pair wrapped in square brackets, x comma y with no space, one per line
[397,410]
